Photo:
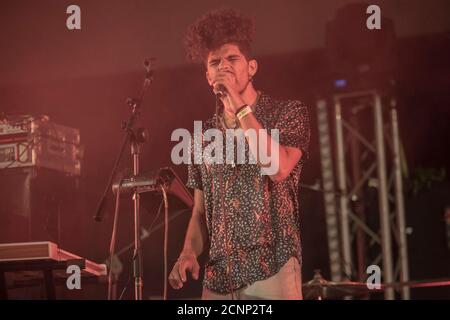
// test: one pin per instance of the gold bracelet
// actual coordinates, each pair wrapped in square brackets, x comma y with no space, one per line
[243,112]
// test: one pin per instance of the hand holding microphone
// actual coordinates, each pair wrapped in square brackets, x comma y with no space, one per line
[222,78]
[225,87]
[220,90]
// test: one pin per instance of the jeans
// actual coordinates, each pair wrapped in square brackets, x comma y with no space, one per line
[286,284]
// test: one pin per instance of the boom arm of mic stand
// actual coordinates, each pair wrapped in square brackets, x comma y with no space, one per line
[99,213]
[135,105]
[100,208]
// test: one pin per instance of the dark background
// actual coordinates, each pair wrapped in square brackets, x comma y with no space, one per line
[81,79]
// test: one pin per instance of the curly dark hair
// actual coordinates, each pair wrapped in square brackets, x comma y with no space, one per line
[217,28]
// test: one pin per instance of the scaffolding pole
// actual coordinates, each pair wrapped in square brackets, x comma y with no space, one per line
[343,198]
[386,245]
[329,198]
[399,204]
[375,164]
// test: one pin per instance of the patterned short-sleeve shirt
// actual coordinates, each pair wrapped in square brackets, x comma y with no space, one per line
[253,222]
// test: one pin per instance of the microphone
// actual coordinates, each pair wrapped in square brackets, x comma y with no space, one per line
[220,90]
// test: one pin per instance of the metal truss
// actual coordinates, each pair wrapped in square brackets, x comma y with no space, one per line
[367,155]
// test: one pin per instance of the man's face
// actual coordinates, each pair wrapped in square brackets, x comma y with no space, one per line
[229,58]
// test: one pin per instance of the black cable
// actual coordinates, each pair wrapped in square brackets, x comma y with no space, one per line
[112,245]
[166,238]
[127,284]
[132,260]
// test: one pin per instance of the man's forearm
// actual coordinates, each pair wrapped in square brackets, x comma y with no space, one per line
[277,152]
[196,235]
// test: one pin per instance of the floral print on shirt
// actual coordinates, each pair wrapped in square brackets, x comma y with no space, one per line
[253,223]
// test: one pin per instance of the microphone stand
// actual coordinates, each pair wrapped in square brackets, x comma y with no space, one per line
[136,137]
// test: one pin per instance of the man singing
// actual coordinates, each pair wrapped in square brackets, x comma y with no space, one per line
[249,220]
